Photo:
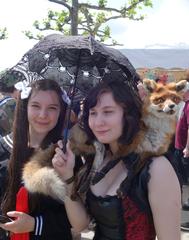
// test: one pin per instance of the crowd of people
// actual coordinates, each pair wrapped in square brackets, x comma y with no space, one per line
[124,198]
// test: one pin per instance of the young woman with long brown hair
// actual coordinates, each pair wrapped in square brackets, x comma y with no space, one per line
[39,121]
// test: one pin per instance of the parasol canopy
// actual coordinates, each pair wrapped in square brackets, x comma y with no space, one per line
[69,58]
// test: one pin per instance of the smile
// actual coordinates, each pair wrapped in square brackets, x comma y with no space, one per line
[101,132]
[42,123]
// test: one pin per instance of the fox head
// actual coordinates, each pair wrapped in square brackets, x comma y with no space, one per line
[163,100]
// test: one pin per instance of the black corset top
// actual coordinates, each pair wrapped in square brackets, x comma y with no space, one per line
[107,213]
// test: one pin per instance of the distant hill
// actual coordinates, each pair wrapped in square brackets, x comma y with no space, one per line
[181,45]
[163,58]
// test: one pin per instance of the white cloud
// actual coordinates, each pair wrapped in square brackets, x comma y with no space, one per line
[19,15]
[12,51]
[164,25]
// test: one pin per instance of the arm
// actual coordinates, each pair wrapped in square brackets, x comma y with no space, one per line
[186,149]
[64,165]
[77,213]
[165,199]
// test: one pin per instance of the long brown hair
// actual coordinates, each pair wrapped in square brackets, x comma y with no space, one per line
[21,151]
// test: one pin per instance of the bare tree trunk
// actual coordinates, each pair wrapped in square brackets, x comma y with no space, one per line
[74,17]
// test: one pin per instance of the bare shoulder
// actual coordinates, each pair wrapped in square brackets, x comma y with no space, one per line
[162,171]
[160,164]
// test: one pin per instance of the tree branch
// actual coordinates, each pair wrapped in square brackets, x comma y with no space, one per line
[113,17]
[83,28]
[120,16]
[86,5]
[62,3]
[86,25]
[133,5]
[125,9]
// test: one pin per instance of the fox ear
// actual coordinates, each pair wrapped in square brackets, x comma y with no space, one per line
[182,85]
[149,84]
[142,91]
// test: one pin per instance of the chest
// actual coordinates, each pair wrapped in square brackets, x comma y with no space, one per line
[109,184]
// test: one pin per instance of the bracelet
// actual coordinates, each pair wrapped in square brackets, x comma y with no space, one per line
[69,180]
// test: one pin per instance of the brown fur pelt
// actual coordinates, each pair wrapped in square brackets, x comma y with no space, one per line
[79,142]
[159,116]
[39,175]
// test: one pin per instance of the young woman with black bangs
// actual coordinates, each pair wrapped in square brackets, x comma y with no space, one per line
[127,202]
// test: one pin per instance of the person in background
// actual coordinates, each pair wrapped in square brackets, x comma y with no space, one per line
[9,95]
[39,121]
[6,145]
[130,199]
[9,91]
[7,108]
[7,104]
[182,150]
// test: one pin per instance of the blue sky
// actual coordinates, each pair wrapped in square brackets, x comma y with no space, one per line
[164,26]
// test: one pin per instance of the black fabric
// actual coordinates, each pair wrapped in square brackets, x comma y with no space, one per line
[172,156]
[182,166]
[78,164]
[107,211]
[5,151]
[3,235]
[3,177]
[56,225]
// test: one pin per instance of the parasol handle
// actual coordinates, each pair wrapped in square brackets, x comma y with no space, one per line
[65,138]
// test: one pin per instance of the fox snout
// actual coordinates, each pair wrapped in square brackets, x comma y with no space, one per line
[170,108]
